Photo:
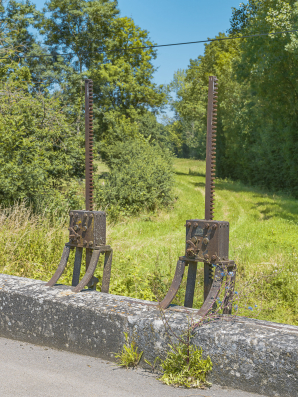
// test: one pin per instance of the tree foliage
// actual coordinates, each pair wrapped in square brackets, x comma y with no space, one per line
[42,97]
[89,34]
[268,67]
[257,116]
[38,148]
[92,33]
[141,178]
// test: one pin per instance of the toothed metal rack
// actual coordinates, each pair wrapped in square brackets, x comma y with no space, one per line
[87,229]
[207,240]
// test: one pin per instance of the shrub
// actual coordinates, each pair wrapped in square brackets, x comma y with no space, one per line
[141,178]
[39,149]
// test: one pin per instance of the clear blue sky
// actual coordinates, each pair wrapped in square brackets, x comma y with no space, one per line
[171,21]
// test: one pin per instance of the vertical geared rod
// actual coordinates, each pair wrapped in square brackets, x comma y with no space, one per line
[211,147]
[89,144]
[210,169]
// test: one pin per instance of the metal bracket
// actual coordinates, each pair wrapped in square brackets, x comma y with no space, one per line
[87,230]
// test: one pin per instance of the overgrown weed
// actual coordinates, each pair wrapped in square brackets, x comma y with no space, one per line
[129,355]
[31,244]
[185,366]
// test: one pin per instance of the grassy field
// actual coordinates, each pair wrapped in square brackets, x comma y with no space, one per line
[263,242]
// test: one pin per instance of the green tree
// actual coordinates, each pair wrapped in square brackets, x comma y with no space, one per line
[92,33]
[37,116]
[20,19]
[184,128]
[257,139]
[191,89]
[38,148]
[265,122]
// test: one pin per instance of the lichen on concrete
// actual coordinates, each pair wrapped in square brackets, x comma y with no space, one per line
[251,355]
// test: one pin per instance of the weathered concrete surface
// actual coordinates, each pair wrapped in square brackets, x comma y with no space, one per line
[254,356]
[27,370]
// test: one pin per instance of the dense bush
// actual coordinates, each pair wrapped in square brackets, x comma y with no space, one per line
[141,178]
[39,149]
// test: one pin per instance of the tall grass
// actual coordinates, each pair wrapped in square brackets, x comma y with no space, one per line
[30,244]
[263,233]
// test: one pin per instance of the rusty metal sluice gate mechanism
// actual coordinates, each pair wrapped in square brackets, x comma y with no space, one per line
[87,229]
[207,240]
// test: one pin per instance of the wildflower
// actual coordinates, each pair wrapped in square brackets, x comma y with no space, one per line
[256,306]
[213,265]
[249,308]
[231,274]
[236,293]
[222,274]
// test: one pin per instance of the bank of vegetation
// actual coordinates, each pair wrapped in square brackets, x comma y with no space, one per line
[263,234]
[42,145]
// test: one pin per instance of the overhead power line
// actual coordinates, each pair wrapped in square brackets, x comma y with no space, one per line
[160,45]
[210,40]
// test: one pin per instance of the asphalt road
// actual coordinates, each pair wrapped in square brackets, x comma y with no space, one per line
[34,371]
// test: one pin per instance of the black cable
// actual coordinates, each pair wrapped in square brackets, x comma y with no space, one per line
[161,45]
[210,40]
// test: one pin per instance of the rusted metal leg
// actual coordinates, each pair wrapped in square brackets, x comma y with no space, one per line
[107,271]
[207,279]
[94,280]
[88,257]
[175,285]
[214,291]
[90,271]
[77,267]
[191,282]
[230,293]
[61,267]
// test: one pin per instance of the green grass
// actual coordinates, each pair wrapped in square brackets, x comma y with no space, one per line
[263,234]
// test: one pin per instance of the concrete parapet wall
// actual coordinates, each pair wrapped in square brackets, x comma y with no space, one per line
[250,355]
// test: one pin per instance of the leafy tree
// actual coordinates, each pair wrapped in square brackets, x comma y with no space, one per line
[257,116]
[92,33]
[38,148]
[19,19]
[266,121]
[42,123]
[185,127]
[191,88]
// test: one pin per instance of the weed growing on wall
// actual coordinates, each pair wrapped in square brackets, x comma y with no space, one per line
[185,366]
[129,355]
